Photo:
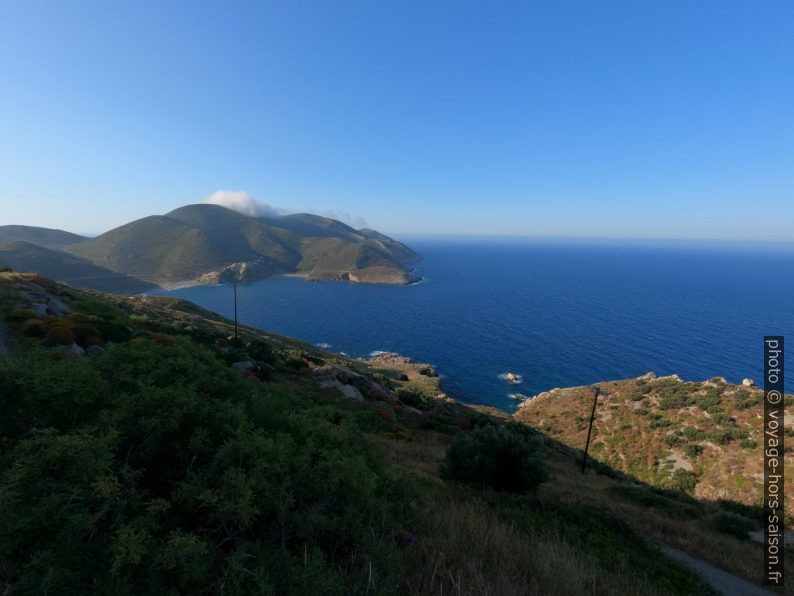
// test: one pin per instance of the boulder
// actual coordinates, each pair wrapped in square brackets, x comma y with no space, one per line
[336,375]
[57,307]
[351,392]
[76,350]
[748,382]
[428,371]
[94,351]
[39,308]
[244,365]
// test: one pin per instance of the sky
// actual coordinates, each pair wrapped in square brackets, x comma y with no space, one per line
[631,119]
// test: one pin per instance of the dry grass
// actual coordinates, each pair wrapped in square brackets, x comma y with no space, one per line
[469,550]
[466,547]
[742,558]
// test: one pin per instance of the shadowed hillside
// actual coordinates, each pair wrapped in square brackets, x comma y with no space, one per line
[56,239]
[68,268]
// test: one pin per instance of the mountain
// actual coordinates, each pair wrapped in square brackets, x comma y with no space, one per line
[704,438]
[46,237]
[171,458]
[209,243]
[68,268]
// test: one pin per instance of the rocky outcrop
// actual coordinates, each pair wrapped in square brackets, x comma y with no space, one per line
[347,380]
[244,271]
[403,364]
[383,275]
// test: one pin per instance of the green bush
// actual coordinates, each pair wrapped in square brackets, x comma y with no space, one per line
[415,399]
[493,457]
[639,392]
[261,351]
[684,481]
[22,314]
[159,469]
[723,436]
[59,335]
[728,522]
[693,450]
[692,433]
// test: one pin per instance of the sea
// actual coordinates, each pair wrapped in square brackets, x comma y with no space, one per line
[555,313]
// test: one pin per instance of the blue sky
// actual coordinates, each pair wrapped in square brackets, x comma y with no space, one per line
[620,119]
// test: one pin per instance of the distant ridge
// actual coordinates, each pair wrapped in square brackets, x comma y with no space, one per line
[69,269]
[206,243]
[46,237]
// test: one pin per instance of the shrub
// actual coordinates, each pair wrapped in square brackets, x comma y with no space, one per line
[723,436]
[693,450]
[723,419]
[113,331]
[728,522]
[752,512]
[640,391]
[748,444]
[415,399]
[261,351]
[33,328]
[59,335]
[495,457]
[684,481]
[159,470]
[22,314]
[693,434]
[745,403]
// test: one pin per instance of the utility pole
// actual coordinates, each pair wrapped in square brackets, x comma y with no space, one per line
[235,311]
[596,392]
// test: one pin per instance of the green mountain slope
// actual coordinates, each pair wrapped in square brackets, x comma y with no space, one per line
[209,243]
[68,268]
[56,239]
[143,452]
[160,249]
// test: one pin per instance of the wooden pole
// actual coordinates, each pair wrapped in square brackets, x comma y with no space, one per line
[596,392]
[235,311]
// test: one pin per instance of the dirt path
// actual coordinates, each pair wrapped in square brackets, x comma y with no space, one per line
[722,581]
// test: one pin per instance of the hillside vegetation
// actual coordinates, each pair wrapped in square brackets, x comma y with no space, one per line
[702,438]
[144,451]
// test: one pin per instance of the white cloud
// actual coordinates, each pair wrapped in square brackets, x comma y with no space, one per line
[346,218]
[242,202]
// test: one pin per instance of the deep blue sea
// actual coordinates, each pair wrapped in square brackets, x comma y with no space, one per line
[556,313]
